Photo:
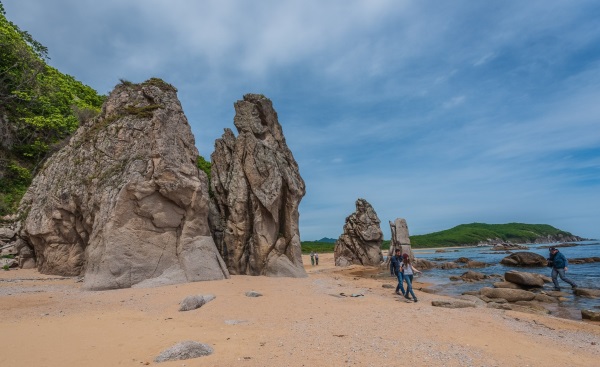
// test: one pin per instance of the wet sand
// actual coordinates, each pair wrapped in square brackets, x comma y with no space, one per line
[49,321]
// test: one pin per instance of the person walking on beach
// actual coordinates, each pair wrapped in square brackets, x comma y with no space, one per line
[558,262]
[409,271]
[396,269]
[316,258]
[312,258]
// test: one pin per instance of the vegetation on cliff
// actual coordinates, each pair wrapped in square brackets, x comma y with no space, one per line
[39,108]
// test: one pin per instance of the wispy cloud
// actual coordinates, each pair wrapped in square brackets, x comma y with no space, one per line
[441,113]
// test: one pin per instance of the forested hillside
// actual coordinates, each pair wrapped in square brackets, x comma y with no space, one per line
[474,233]
[39,108]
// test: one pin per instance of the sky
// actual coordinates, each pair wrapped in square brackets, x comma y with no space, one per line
[439,112]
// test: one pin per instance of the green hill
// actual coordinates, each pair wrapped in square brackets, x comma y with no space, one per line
[474,233]
[39,109]
[466,235]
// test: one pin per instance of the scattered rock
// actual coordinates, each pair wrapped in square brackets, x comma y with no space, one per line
[8,263]
[194,302]
[590,315]
[545,298]
[527,280]
[184,350]
[362,238]
[499,306]
[584,260]
[428,290]
[475,299]
[511,295]
[389,286]
[462,260]
[423,264]
[257,190]
[524,259]
[507,285]
[475,264]
[586,292]
[253,294]
[473,276]
[530,307]
[453,303]
[449,265]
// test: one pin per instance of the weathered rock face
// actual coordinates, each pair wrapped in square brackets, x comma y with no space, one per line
[362,238]
[257,190]
[123,202]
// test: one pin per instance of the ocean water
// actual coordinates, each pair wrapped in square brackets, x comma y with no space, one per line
[584,275]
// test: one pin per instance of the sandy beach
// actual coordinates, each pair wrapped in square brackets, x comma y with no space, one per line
[49,321]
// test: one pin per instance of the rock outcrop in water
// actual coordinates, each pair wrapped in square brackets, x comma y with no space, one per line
[362,238]
[257,190]
[124,203]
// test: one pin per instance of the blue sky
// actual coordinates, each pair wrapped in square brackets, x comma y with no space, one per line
[439,112]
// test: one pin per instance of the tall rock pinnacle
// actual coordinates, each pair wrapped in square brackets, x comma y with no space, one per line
[257,190]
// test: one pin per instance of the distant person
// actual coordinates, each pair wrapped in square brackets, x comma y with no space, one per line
[558,262]
[396,269]
[316,259]
[312,258]
[409,271]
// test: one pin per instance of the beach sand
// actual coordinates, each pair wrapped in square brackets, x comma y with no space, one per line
[49,321]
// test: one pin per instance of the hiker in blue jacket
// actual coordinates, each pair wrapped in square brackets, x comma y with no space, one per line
[558,262]
[396,269]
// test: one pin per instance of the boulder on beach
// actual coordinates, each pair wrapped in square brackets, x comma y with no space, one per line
[185,350]
[511,295]
[524,259]
[527,280]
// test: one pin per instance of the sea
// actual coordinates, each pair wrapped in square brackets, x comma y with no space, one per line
[585,275]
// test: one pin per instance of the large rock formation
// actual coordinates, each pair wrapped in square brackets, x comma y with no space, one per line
[257,190]
[524,259]
[124,203]
[400,239]
[362,238]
